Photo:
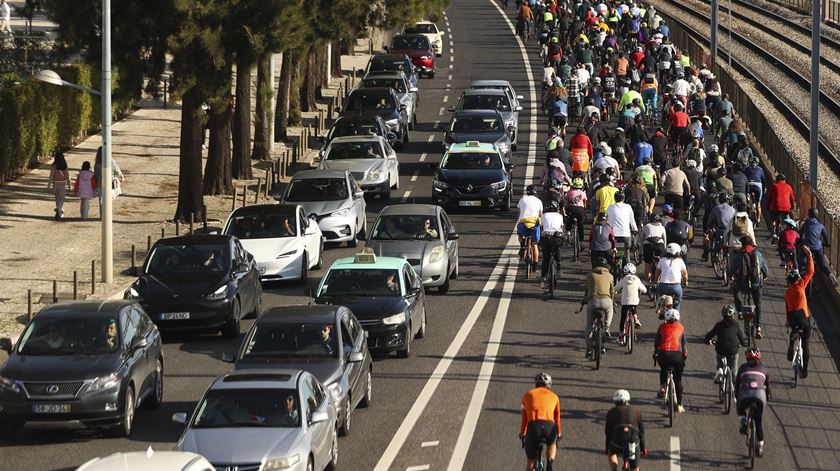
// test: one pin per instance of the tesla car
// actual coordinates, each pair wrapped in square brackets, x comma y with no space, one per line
[199,283]
[399,83]
[473,175]
[327,341]
[418,48]
[149,459]
[492,99]
[370,159]
[486,126]
[431,31]
[334,199]
[384,102]
[261,420]
[393,62]
[359,125]
[423,235]
[87,363]
[284,242]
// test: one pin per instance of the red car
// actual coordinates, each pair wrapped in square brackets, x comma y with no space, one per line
[418,48]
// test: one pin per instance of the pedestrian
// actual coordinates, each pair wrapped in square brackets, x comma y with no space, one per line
[60,182]
[5,18]
[117,176]
[85,188]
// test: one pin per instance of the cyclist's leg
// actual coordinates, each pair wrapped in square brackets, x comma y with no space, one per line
[678,373]
[521,232]
[590,319]
[612,458]
[624,311]
[547,252]
[758,417]
[756,300]
[535,240]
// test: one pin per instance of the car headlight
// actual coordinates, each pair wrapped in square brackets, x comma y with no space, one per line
[104,382]
[281,463]
[436,254]
[499,186]
[393,123]
[341,212]
[8,385]
[335,390]
[286,254]
[132,293]
[439,185]
[395,319]
[375,175]
[425,58]
[218,294]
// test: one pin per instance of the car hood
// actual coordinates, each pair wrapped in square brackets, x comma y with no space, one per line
[60,368]
[386,114]
[327,370]
[403,248]
[474,177]
[324,207]
[367,307]
[353,165]
[269,249]
[489,137]
[412,53]
[184,287]
[240,444]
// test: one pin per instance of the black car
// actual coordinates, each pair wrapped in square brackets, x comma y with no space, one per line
[383,102]
[200,283]
[473,175]
[393,63]
[86,362]
[327,341]
[359,125]
[478,125]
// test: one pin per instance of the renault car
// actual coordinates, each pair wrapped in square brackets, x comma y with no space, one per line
[473,175]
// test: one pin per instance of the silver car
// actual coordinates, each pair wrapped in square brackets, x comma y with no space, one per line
[515,99]
[493,99]
[399,83]
[370,159]
[263,420]
[423,235]
[333,199]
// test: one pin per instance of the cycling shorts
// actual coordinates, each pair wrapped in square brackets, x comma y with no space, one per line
[651,189]
[755,190]
[649,251]
[538,432]
[533,232]
[778,216]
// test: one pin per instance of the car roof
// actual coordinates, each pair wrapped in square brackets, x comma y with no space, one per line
[195,239]
[385,74]
[477,113]
[100,308]
[410,35]
[145,460]
[268,378]
[368,138]
[394,263]
[299,313]
[361,117]
[485,91]
[373,91]
[282,208]
[319,173]
[472,146]
[410,209]
[489,83]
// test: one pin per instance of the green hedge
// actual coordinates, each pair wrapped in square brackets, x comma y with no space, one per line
[37,119]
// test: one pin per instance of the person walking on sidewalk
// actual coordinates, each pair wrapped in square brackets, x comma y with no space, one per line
[60,182]
[85,188]
[116,173]
[5,18]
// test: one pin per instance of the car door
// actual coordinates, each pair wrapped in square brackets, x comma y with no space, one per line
[411,297]
[352,370]
[137,367]
[245,285]
[149,356]
[321,432]
[358,202]
[451,245]
[391,161]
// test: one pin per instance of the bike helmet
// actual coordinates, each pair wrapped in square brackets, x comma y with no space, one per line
[790,222]
[672,315]
[754,161]
[602,216]
[621,396]
[629,269]
[793,276]
[667,209]
[619,196]
[813,213]
[724,198]
[713,148]
[655,217]
[673,249]
[601,262]
[552,207]
[728,311]
[691,163]
[577,183]
[596,80]
[753,354]
[555,163]
[646,161]
[781,177]
[678,106]
[531,190]
[543,379]
[605,148]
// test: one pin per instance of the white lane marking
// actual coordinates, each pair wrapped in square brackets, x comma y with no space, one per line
[445,98]
[449,77]
[428,444]
[675,454]
[452,58]
[415,175]
[405,196]
[440,113]
[431,138]
[423,156]
[451,66]
[421,467]
[437,123]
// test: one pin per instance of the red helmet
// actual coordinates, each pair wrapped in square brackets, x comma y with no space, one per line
[753,354]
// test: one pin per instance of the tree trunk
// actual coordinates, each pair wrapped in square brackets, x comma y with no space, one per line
[307,89]
[336,60]
[263,114]
[281,113]
[294,94]
[217,172]
[190,199]
[242,123]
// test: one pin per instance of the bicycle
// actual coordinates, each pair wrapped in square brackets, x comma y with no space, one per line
[720,259]
[630,442]
[636,247]
[671,397]
[543,456]
[751,438]
[725,388]
[618,261]
[798,355]
[630,329]
[748,315]
[528,258]
[554,271]
[574,236]
[598,335]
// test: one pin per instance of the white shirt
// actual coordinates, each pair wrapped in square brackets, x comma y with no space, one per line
[5,12]
[681,87]
[630,287]
[735,241]
[670,270]
[654,231]
[548,75]
[620,216]
[552,222]
[583,76]
[529,207]
[605,161]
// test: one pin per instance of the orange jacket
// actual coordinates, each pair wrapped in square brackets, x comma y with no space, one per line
[795,299]
[540,404]
[670,337]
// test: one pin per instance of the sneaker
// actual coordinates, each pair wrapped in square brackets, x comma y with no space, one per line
[661,393]
[621,340]
[680,409]
[782,265]
[543,284]
[743,428]
[758,332]
[804,373]
[535,266]
[718,376]
[607,334]
[790,352]
[638,323]
[588,353]
[759,450]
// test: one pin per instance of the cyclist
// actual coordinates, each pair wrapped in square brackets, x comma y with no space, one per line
[555,173]
[551,236]
[530,211]
[599,293]
[630,287]
[722,183]
[524,19]
[604,159]
[540,422]
[671,351]
[781,200]
[605,194]
[601,239]
[753,385]
[636,195]
[641,150]
[741,225]
[671,274]
[649,88]
[679,231]
[719,219]
[798,317]
[678,123]
[651,181]
[624,428]
[653,243]
[728,338]
[740,183]
[622,220]
[582,152]
[756,178]
[788,240]
[815,237]
[576,202]
[695,182]
[675,186]
[749,270]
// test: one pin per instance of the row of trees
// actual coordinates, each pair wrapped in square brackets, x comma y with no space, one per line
[205,42]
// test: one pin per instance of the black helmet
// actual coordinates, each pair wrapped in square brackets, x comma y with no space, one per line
[724,198]
[656,217]
[552,207]
[793,276]
[531,190]
[813,213]
[543,379]
[781,177]
[601,262]
[619,196]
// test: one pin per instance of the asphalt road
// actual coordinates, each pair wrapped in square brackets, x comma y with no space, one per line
[455,403]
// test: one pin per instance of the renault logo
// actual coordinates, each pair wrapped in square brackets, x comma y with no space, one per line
[52,389]
[470,188]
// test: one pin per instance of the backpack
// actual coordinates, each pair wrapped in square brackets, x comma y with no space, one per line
[740,226]
[624,436]
[750,271]
[677,231]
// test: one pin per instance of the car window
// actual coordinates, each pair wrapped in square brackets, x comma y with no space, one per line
[354,150]
[304,221]
[427,28]
[397,84]
[368,101]
[407,278]
[471,161]
[346,127]
[240,253]
[447,222]
[129,327]
[229,408]
[361,282]
[291,340]
[347,338]
[355,328]
[139,320]
[353,185]
[485,102]
[317,189]
[444,223]
[405,227]
[70,336]
[175,259]
[410,42]
[318,393]
[266,225]
[476,124]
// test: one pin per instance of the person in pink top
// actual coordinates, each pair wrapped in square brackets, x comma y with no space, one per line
[788,239]
[85,188]
[59,180]
[576,206]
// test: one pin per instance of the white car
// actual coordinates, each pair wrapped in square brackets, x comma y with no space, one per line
[284,242]
[149,459]
[431,31]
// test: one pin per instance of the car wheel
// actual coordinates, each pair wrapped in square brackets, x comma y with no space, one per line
[406,352]
[431,75]
[405,135]
[456,270]
[368,397]
[344,430]
[506,204]
[309,465]
[320,264]
[422,332]
[333,464]
[231,328]
[387,195]
[157,397]
[444,288]
[411,122]
[124,429]
[304,268]
[258,302]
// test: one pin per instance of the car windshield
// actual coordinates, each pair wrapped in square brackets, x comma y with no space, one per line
[406,227]
[397,84]
[410,42]
[292,340]
[476,124]
[168,259]
[471,161]
[354,150]
[361,282]
[70,336]
[388,65]
[318,189]
[423,28]
[222,408]
[346,127]
[262,226]
[485,102]
[376,101]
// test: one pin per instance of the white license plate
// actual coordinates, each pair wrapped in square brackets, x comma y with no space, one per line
[51,408]
[171,316]
[469,203]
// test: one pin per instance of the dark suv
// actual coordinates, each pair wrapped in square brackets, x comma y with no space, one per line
[383,102]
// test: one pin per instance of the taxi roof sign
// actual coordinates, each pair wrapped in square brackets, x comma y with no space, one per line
[365,256]
[473,144]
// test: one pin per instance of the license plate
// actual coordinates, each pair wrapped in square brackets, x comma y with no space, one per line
[171,316]
[469,203]
[51,408]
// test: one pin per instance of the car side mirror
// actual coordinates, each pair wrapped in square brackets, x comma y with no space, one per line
[139,343]
[242,268]
[414,291]
[452,236]
[413,89]
[450,109]
[359,194]
[518,108]
[6,345]
[228,357]
[179,418]
[441,33]
[356,357]
[319,417]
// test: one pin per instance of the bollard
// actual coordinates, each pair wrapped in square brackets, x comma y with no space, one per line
[29,304]
[93,277]
[353,79]
[284,169]
[165,91]
[370,46]
[259,189]
[148,245]
[244,195]
[75,285]
[191,223]
[177,227]
[133,259]
[330,109]
[267,180]
[346,86]
[162,232]
[233,201]
[204,218]
[55,291]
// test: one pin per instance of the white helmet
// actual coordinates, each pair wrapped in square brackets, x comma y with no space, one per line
[630,269]
[673,249]
[596,80]
[672,315]
[605,148]
[691,163]
[621,396]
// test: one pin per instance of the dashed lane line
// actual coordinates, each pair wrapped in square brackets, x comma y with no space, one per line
[675,454]
[440,112]
[430,443]
[415,175]
[421,467]
[445,98]
[431,138]
[405,196]
[423,156]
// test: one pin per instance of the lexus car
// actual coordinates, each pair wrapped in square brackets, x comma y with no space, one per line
[492,99]
[431,31]
[418,48]
[284,242]
[384,102]
[391,63]
[485,126]
[370,159]
[473,175]
[85,363]
[399,83]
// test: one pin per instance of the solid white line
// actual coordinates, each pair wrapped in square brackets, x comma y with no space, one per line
[675,454]
[445,98]
[431,138]
[421,467]
[423,156]
[414,177]
[405,196]
[428,444]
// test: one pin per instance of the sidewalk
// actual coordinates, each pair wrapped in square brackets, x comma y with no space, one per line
[38,249]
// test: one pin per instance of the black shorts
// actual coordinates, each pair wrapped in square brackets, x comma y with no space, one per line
[778,216]
[538,432]
[651,250]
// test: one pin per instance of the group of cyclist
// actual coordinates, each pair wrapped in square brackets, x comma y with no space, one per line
[615,59]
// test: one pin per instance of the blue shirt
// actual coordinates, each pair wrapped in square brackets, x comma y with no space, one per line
[813,233]
[665,30]
[755,174]
[642,150]
[559,108]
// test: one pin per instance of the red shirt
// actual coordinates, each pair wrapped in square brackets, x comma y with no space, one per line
[678,119]
[581,141]
[670,337]
[638,57]
[780,197]
[787,239]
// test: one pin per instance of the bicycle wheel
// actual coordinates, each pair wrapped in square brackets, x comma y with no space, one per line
[716,266]
[551,278]
[727,391]
[597,345]
[577,247]
[796,367]
[751,438]
[748,331]
[670,400]
[631,333]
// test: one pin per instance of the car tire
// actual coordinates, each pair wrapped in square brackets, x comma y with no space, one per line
[422,332]
[444,288]
[387,195]
[431,75]
[507,203]
[368,397]
[454,275]
[258,303]
[304,269]
[406,352]
[320,264]
[9,429]
[411,122]
[231,327]
[156,399]
[405,135]
[344,429]
[125,427]
[333,464]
